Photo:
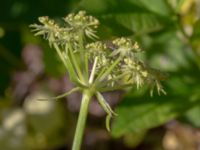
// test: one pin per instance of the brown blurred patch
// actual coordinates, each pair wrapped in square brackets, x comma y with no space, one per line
[181,137]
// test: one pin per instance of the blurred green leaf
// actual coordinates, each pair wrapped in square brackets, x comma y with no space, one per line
[156,6]
[153,6]
[192,117]
[168,52]
[137,16]
[139,23]
[141,113]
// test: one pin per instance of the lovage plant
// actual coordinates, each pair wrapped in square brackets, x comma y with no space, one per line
[115,64]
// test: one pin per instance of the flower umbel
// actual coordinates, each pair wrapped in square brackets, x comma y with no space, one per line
[125,47]
[82,22]
[115,64]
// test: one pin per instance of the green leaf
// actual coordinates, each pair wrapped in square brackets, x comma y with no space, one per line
[137,16]
[168,52]
[137,114]
[153,6]
[139,23]
[157,6]
[192,117]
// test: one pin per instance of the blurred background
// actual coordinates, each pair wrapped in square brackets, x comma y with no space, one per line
[169,31]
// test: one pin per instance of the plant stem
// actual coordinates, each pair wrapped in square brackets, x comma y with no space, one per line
[93,71]
[60,54]
[87,94]
[74,62]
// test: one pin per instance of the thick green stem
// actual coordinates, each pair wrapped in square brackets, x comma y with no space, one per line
[87,94]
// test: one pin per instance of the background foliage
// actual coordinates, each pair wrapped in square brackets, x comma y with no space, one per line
[169,31]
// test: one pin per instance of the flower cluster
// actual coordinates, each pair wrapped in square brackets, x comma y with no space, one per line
[82,22]
[49,29]
[75,25]
[125,47]
[129,70]
[115,64]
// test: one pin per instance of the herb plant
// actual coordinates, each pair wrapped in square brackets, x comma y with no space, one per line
[114,64]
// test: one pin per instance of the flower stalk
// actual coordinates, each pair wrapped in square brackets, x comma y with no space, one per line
[86,97]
